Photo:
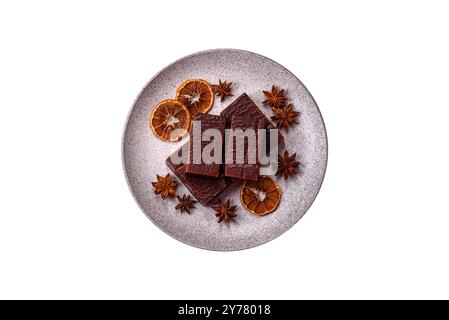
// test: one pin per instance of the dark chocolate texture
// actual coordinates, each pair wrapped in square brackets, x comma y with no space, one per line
[245,107]
[208,121]
[205,189]
[245,170]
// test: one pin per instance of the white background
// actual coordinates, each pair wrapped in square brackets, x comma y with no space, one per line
[69,72]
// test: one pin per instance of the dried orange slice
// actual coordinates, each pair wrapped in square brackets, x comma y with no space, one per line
[170,120]
[260,197]
[196,94]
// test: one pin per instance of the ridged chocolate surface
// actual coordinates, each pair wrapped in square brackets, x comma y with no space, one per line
[245,171]
[208,121]
[205,189]
[245,107]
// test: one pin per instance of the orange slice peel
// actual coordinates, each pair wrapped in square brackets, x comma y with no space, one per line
[260,197]
[196,94]
[170,120]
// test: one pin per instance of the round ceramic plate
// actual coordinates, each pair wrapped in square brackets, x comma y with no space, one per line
[144,155]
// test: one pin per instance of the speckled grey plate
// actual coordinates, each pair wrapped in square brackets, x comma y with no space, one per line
[144,155]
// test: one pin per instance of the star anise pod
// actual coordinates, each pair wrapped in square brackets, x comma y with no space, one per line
[287,165]
[285,117]
[222,89]
[224,211]
[186,203]
[275,98]
[165,186]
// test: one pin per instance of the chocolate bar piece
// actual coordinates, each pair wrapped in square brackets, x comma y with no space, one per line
[197,164]
[205,189]
[245,107]
[239,143]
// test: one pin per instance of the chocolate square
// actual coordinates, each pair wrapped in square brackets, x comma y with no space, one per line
[205,189]
[208,121]
[245,107]
[245,170]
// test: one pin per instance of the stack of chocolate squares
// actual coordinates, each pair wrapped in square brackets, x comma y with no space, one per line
[207,181]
